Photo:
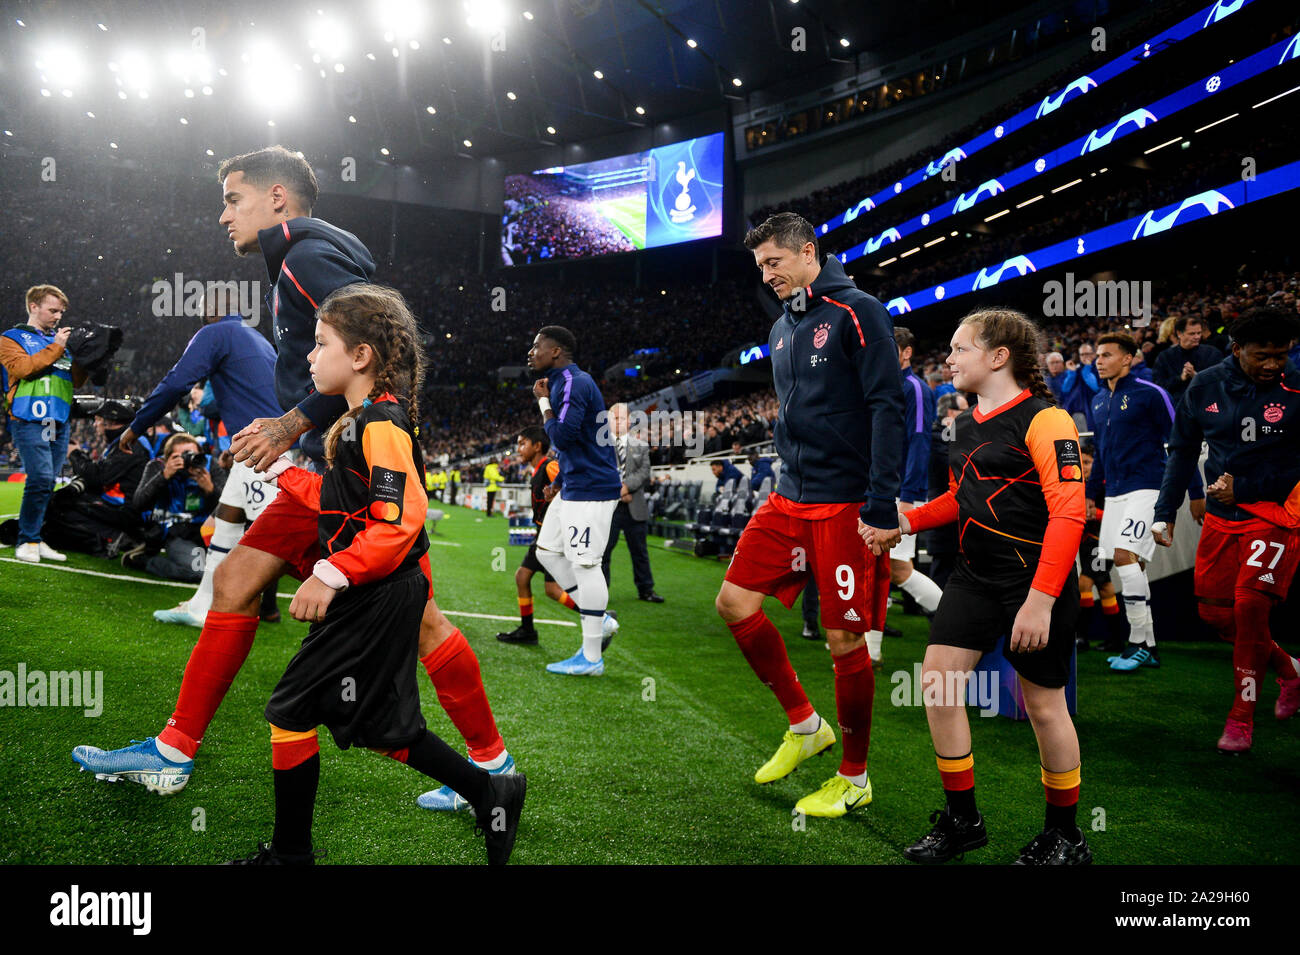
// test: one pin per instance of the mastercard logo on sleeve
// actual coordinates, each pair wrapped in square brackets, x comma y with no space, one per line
[387,490]
[1071,472]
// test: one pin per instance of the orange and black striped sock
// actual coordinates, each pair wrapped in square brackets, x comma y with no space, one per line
[1062,791]
[958,776]
[295,758]
[526,611]
[567,601]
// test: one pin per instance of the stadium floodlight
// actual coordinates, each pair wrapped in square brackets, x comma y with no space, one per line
[209,152]
[89,114]
[102,27]
[207,91]
[691,43]
[268,70]
[135,71]
[467,143]
[112,145]
[383,151]
[62,62]
[551,130]
[329,37]
[401,18]
[735,81]
[430,110]
[528,15]
[352,119]
[844,41]
[640,110]
[598,74]
[486,16]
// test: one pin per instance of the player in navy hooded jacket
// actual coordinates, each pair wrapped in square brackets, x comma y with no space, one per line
[267,198]
[1131,419]
[839,432]
[571,544]
[914,475]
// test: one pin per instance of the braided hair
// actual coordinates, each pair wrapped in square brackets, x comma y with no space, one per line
[378,316]
[1006,327]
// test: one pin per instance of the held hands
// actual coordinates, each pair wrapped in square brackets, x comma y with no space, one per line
[881,540]
[312,600]
[1033,621]
[1221,491]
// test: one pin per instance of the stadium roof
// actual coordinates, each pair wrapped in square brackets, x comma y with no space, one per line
[423,79]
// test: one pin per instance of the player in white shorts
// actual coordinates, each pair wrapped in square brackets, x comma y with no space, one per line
[242,499]
[572,540]
[1132,419]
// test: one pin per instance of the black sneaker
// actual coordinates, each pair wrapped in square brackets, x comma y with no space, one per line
[889,631]
[520,634]
[650,597]
[266,855]
[498,821]
[810,633]
[136,558]
[951,836]
[1052,847]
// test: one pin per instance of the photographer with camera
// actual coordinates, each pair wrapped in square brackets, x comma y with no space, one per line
[40,376]
[92,514]
[176,494]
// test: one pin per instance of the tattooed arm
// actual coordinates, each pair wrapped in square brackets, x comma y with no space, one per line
[265,439]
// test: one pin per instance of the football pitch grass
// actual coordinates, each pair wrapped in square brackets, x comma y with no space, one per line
[628,215]
[651,763]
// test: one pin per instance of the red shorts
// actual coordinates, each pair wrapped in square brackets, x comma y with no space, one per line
[1253,555]
[776,553]
[288,530]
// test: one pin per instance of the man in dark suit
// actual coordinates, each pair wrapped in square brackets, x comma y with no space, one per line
[631,514]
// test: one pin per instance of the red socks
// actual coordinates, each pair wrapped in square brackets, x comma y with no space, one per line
[855,686]
[453,668]
[568,601]
[222,648]
[1250,651]
[764,649]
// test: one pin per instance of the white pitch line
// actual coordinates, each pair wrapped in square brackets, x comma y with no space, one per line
[172,583]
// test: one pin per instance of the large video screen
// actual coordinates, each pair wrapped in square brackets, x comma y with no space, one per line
[662,196]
